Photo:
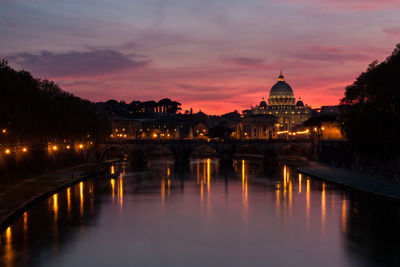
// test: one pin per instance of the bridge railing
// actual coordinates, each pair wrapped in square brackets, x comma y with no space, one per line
[203,141]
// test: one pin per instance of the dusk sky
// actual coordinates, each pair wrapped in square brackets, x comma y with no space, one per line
[213,55]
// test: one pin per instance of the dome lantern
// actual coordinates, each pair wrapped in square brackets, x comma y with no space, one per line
[281,78]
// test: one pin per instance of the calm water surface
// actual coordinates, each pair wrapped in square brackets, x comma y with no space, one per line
[206,216]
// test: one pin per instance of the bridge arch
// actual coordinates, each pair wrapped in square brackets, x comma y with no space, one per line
[293,150]
[204,150]
[115,151]
[250,149]
[158,150]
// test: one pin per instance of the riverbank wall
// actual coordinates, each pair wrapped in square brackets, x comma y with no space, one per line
[343,155]
[374,184]
[18,197]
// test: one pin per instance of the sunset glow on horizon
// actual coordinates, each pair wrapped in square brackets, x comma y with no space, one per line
[213,56]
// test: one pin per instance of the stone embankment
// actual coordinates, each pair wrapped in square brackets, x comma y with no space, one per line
[353,179]
[16,197]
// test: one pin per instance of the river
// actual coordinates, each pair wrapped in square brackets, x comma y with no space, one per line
[205,216]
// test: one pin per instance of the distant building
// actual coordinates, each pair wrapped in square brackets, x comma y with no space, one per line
[325,127]
[336,111]
[257,127]
[282,104]
[331,109]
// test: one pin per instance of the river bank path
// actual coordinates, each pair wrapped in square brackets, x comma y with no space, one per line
[352,179]
[17,196]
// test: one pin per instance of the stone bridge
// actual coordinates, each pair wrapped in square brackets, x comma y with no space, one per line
[138,151]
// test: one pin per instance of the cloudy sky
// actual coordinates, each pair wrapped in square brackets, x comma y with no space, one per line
[213,55]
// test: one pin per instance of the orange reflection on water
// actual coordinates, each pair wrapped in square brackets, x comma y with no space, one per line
[290,196]
[112,181]
[55,210]
[278,201]
[162,190]
[8,249]
[169,186]
[69,200]
[121,191]
[201,193]
[204,173]
[198,171]
[55,207]
[246,193]
[244,185]
[299,183]
[344,212]
[323,206]
[81,198]
[308,202]
[284,176]
[208,175]
[25,223]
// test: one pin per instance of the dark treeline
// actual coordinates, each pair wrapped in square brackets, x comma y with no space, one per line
[138,109]
[372,115]
[37,111]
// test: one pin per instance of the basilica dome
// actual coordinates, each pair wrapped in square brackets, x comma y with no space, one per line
[281,94]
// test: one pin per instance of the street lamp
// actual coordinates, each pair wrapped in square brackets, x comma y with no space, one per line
[4,131]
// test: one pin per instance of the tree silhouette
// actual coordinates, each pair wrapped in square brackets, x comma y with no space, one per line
[372,115]
[34,110]
[164,104]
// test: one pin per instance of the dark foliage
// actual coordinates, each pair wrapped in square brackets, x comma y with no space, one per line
[372,118]
[137,109]
[318,120]
[38,111]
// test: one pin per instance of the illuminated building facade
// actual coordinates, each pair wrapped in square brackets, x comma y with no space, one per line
[282,104]
[257,127]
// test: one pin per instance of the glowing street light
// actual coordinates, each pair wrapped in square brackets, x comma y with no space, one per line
[68,147]
[24,149]
[55,148]
[7,151]
[81,146]
[155,135]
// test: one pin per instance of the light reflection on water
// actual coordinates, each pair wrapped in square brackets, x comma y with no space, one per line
[206,216]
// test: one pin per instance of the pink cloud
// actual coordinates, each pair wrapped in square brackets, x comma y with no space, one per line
[331,54]
[393,32]
[78,63]
[348,5]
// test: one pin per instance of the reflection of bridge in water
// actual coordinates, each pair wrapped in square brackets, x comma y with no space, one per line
[138,151]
